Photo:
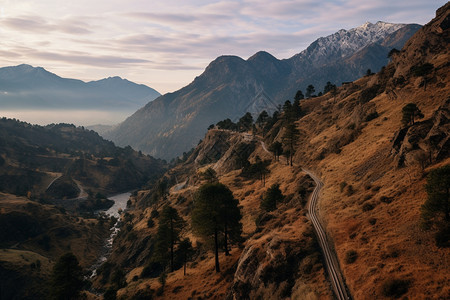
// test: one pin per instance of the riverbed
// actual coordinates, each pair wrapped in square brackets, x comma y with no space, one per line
[120,203]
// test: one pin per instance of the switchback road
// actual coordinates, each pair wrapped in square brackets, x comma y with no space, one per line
[331,261]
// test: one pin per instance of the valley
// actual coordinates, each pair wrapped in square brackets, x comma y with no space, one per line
[341,194]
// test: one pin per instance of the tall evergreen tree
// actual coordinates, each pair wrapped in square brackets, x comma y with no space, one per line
[310,90]
[185,251]
[215,213]
[277,149]
[290,138]
[67,278]
[299,95]
[438,190]
[329,87]
[245,122]
[271,197]
[170,226]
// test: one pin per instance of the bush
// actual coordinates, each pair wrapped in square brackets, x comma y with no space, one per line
[442,236]
[154,213]
[368,206]
[343,185]
[350,190]
[351,256]
[422,70]
[369,93]
[371,116]
[395,287]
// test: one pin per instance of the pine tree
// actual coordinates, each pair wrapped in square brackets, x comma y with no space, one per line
[290,138]
[310,90]
[271,197]
[216,213]
[438,190]
[277,149]
[185,251]
[67,278]
[299,95]
[170,226]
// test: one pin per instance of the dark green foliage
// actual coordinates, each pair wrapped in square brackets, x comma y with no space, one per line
[310,90]
[299,95]
[152,270]
[369,72]
[290,138]
[351,256]
[185,252]
[245,123]
[277,149]
[216,213]
[227,124]
[258,169]
[371,116]
[368,206]
[395,287]
[67,278]
[262,119]
[110,294]
[170,226]
[409,113]
[329,87]
[422,70]
[118,279]
[368,94]
[271,197]
[436,209]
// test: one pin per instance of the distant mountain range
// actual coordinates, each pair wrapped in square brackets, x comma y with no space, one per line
[27,87]
[230,86]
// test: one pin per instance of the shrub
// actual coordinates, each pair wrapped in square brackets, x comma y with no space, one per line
[371,116]
[442,236]
[422,70]
[369,93]
[368,206]
[350,190]
[343,185]
[385,199]
[154,213]
[395,287]
[351,256]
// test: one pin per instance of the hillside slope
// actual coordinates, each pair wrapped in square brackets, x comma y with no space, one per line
[370,203]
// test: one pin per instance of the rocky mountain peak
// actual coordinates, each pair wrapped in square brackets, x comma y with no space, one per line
[346,42]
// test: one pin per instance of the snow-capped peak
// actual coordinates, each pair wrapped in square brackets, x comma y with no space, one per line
[346,42]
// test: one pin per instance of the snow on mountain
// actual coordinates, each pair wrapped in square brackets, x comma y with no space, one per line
[346,42]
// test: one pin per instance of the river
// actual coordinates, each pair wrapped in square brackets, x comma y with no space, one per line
[120,204]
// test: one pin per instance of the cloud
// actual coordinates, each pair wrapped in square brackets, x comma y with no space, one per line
[36,24]
[172,37]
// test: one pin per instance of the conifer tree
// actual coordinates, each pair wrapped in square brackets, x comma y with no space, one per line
[216,213]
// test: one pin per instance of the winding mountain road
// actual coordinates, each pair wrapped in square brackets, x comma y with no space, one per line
[331,261]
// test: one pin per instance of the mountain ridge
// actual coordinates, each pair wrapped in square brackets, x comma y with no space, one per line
[28,87]
[174,122]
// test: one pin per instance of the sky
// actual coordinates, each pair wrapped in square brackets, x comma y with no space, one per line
[166,44]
